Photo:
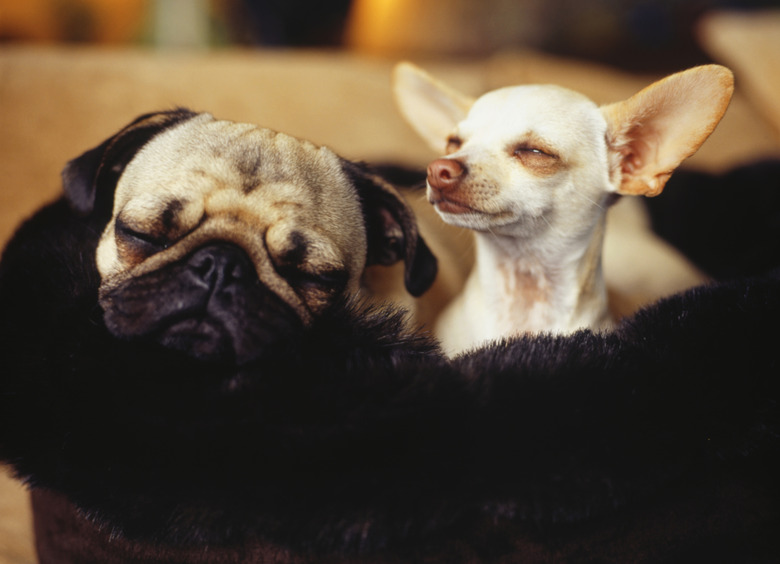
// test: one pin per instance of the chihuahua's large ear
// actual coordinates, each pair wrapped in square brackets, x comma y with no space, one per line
[391,229]
[431,107]
[89,180]
[652,132]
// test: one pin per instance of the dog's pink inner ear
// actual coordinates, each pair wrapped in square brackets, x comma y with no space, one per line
[652,132]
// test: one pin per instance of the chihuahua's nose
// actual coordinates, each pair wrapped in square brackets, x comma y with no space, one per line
[444,175]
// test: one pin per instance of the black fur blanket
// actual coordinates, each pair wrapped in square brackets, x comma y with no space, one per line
[658,442]
[728,224]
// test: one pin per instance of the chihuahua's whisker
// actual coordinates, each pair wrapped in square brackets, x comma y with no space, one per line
[553,228]
[594,202]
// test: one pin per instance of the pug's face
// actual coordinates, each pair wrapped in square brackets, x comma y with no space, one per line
[224,237]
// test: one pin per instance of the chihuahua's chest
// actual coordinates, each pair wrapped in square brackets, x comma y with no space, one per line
[510,306]
[526,300]
[505,298]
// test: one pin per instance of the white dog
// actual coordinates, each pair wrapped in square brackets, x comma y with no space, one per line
[532,170]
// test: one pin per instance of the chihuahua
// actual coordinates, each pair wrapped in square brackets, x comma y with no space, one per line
[532,170]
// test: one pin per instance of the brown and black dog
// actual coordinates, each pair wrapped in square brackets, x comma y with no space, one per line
[219,232]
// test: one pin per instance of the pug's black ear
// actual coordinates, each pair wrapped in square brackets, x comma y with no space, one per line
[89,180]
[391,229]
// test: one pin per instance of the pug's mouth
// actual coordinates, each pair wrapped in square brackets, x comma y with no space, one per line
[206,340]
[200,338]
[223,313]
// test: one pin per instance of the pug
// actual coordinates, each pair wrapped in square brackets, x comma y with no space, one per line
[219,235]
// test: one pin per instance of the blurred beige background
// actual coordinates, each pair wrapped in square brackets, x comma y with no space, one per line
[73,72]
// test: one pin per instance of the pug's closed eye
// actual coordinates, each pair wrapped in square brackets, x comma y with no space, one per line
[136,243]
[299,263]
[323,280]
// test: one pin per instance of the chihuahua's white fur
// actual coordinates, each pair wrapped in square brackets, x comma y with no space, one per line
[540,165]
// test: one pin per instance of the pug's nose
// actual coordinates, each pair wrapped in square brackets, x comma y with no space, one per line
[444,175]
[220,265]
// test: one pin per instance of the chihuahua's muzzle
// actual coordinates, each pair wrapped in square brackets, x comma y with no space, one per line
[210,305]
[445,177]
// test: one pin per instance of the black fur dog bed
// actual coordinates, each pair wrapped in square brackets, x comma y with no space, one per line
[356,441]
[728,224]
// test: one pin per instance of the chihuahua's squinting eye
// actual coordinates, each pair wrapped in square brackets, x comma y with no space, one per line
[527,150]
[453,144]
[541,162]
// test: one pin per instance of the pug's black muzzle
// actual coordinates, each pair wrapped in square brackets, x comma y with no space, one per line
[210,305]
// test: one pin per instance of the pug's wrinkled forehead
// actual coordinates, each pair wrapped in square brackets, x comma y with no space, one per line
[277,197]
